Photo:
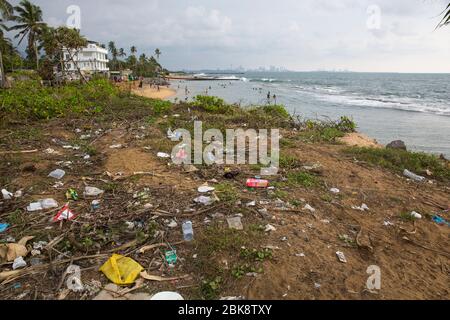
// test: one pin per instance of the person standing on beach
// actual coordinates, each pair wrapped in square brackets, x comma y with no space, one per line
[268,97]
[275,99]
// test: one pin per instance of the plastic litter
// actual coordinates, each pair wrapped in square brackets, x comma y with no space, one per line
[204,200]
[73,281]
[92,192]
[3,227]
[309,208]
[416,215]
[335,190]
[270,228]
[57,174]
[172,224]
[413,176]
[440,221]
[257,183]
[64,214]
[188,231]
[115,146]
[341,257]
[49,204]
[6,194]
[95,205]
[72,194]
[42,205]
[19,263]
[163,155]
[167,296]
[171,257]
[235,223]
[121,270]
[363,207]
[205,189]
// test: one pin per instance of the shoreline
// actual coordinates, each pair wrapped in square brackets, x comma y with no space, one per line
[164,93]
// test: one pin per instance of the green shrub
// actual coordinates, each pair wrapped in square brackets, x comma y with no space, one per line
[276,111]
[211,104]
[160,106]
[399,160]
[29,99]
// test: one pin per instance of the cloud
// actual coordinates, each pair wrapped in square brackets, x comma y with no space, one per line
[302,35]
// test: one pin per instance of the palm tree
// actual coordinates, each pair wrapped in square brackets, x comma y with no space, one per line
[6,10]
[30,24]
[158,53]
[133,50]
[446,19]
[121,54]
[113,50]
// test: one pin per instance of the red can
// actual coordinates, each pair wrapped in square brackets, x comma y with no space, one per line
[257,183]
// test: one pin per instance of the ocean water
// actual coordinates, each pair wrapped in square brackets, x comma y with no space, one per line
[414,108]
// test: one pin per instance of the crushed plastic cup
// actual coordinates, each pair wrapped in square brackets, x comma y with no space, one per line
[205,189]
[188,231]
[6,194]
[57,174]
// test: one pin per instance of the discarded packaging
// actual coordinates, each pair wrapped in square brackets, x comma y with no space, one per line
[73,281]
[309,208]
[95,205]
[121,270]
[416,215]
[172,224]
[92,192]
[204,200]
[171,257]
[19,263]
[57,174]
[441,221]
[163,155]
[64,214]
[205,189]
[363,207]
[270,228]
[6,194]
[188,231]
[341,257]
[3,227]
[257,183]
[72,194]
[413,176]
[235,223]
[167,296]
[42,205]
[335,190]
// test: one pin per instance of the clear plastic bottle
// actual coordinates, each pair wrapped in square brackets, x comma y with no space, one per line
[188,231]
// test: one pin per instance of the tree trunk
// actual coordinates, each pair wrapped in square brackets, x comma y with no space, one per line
[2,72]
[36,51]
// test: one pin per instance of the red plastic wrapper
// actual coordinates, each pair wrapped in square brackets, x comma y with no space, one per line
[257,183]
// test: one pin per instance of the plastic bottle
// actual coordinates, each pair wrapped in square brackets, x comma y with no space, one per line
[188,231]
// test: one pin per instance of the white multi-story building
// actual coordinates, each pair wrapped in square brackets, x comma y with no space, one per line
[91,59]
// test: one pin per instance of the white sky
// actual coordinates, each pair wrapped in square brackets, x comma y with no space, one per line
[300,35]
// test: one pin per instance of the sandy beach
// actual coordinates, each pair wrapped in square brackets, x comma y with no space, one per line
[153,93]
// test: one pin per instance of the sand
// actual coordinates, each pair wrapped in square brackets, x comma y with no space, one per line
[360,140]
[153,93]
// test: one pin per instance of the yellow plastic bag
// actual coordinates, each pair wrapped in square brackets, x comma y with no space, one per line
[121,270]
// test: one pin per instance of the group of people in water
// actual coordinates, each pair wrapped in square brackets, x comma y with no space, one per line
[270,98]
